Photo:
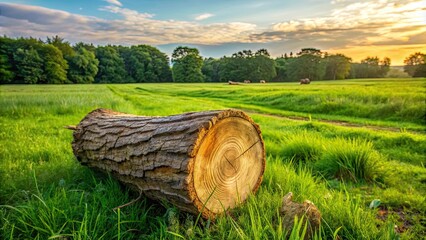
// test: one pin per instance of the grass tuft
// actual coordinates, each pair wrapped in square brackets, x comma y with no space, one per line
[354,160]
[302,148]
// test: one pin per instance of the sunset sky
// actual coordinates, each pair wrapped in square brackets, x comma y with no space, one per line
[392,28]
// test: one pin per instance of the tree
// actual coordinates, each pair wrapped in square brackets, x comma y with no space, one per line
[126,54]
[244,65]
[310,51]
[83,66]
[233,68]
[262,67]
[238,67]
[87,46]
[371,67]
[111,66]
[187,64]
[415,65]
[211,69]
[62,45]
[308,64]
[262,52]
[338,66]
[54,65]
[7,73]
[17,55]
[27,43]
[29,65]
[145,63]
[159,65]
[136,67]
[384,66]
[282,68]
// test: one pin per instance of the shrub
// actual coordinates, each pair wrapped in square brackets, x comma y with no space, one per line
[352,160]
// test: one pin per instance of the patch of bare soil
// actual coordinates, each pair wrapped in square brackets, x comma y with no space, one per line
[404,218]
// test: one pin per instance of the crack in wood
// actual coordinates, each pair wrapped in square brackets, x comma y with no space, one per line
[116,140]
[230,163]
[247,149]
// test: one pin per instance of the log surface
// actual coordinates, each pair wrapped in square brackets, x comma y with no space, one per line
[202,162]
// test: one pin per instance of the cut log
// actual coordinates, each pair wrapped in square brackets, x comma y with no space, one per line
[202,162]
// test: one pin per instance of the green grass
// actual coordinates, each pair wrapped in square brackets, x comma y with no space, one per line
[45,193]
[351,160]
[301,148]
[374,101]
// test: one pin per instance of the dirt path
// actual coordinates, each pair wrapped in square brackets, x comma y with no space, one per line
[335,122]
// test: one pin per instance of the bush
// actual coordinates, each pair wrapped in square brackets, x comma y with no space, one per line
[352,160]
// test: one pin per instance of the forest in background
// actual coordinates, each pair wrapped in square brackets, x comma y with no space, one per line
[56,61]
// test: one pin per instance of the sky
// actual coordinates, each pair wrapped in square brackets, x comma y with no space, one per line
[383,28]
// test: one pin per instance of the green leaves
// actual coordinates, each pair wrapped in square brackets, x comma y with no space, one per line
[415,65]
[28,64]
[187,64]
[145,63]
[307,66]
[247,66]
[370,67]
[29,60]
[83,66]
[111,66]
[55,66]
[338,66]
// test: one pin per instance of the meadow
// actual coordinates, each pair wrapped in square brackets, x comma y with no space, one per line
[341,144]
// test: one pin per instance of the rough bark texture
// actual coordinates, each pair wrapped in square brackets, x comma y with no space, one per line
[203,162]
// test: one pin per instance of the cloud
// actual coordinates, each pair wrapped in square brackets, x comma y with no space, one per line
[38,15]
[114,2]
[132,27]
[130,15]
[338,1]
[362,23]
[203,16]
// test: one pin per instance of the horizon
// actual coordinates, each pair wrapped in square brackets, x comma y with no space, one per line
[382,28]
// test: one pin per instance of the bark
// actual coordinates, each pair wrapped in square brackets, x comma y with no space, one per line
[203,162]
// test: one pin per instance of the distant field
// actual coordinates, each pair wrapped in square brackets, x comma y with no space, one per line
[45,193]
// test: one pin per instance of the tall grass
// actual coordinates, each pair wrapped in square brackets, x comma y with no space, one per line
[302,147]
[344,159]
[64,212]
[353,160]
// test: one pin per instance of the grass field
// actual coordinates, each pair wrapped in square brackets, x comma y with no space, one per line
[340,144]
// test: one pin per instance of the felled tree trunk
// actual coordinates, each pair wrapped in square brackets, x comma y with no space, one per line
[202,162]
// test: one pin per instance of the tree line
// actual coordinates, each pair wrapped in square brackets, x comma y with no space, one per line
[56,61]
[30,60]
